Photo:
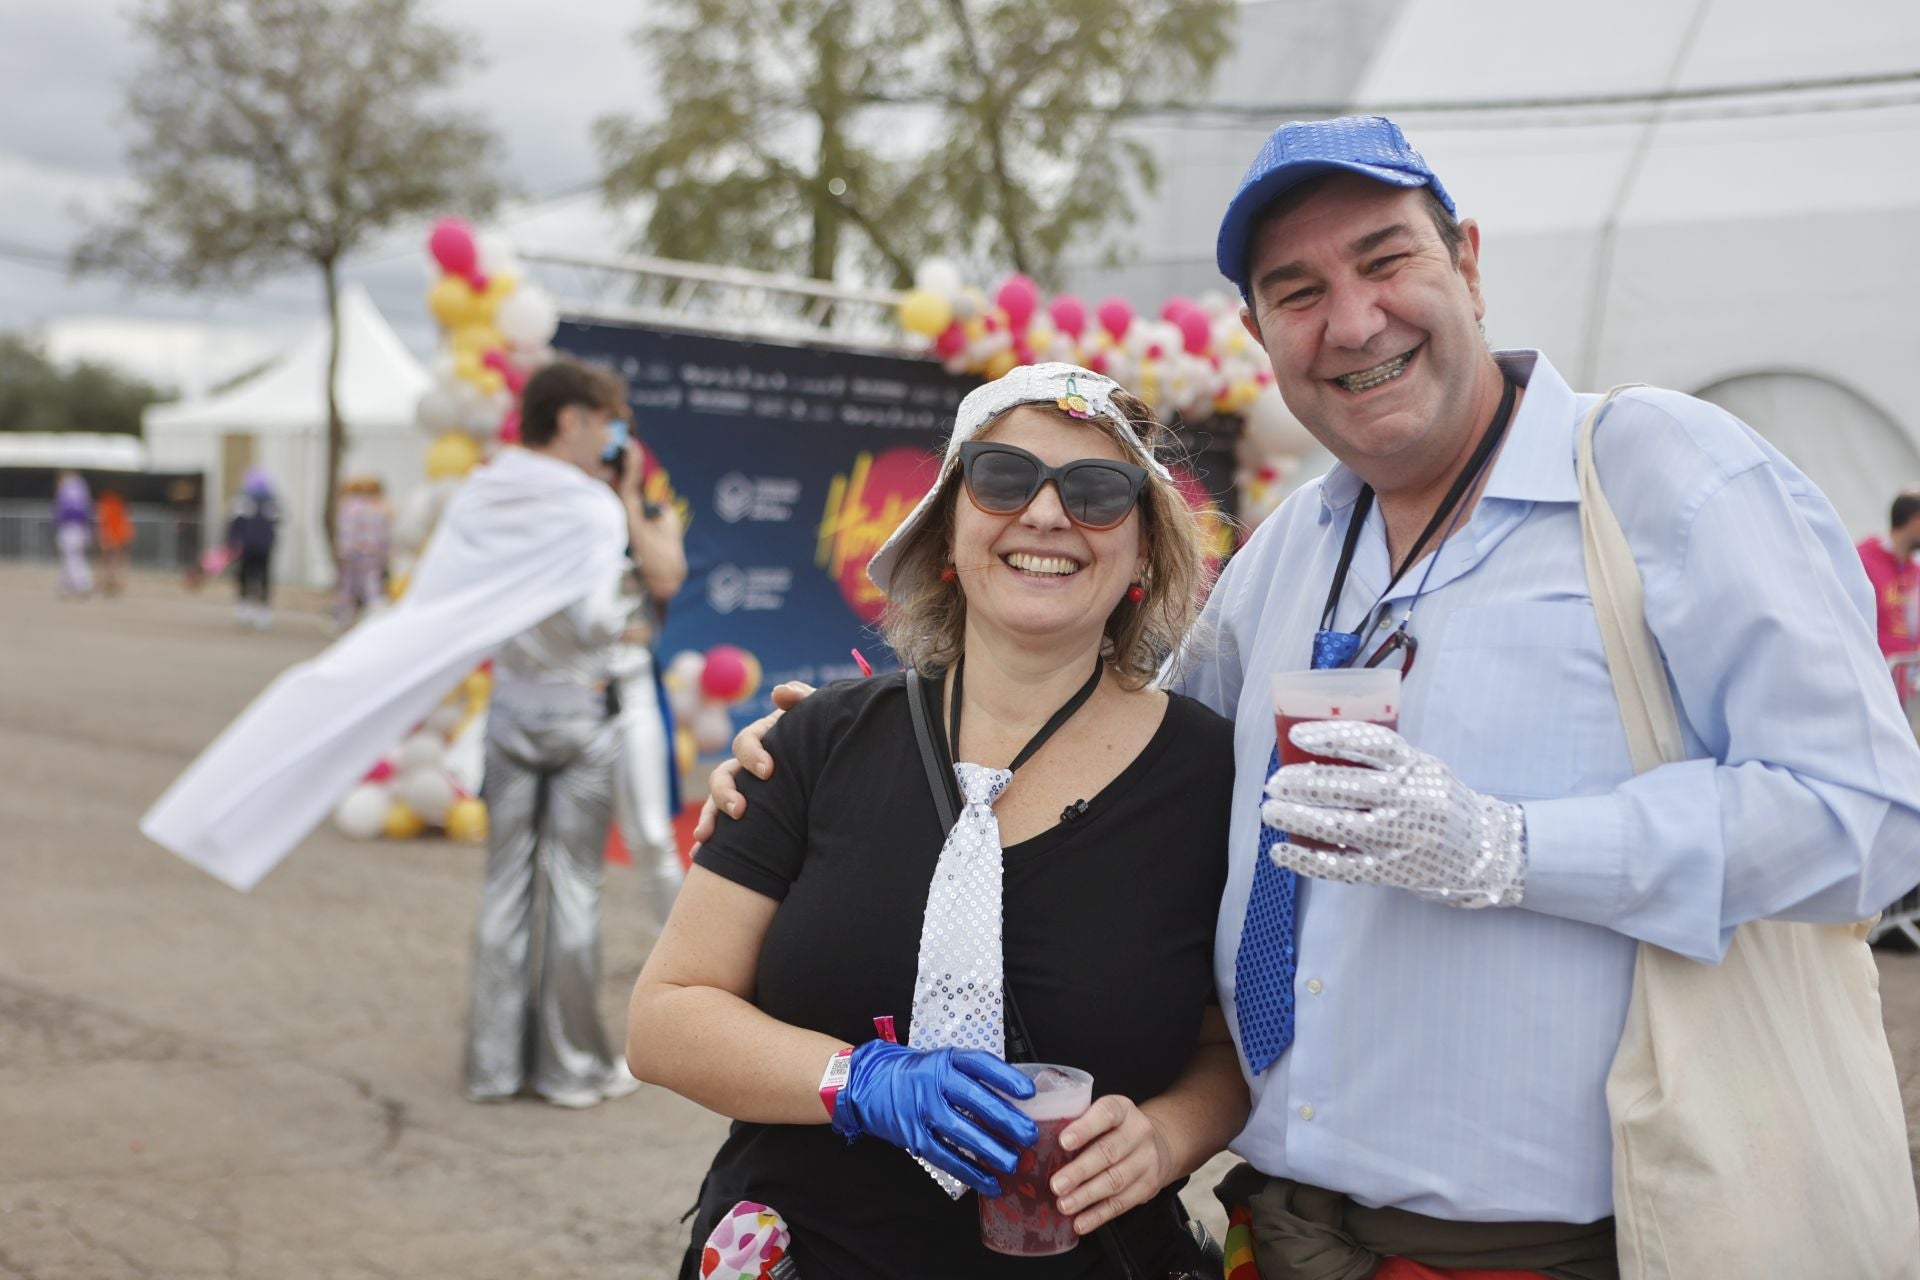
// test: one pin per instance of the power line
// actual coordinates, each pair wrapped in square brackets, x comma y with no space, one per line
[1478,106]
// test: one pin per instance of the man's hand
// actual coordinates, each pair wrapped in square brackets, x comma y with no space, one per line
[1404,820]
[723,795]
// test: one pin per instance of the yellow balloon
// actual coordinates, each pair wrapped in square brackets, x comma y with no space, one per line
[467,820]
[477,688]
[686,752]
[466,365]
[453,303]
[403,823]
[477,338]
[398,586]
[500,286]
[975,329]
[452,455]
[1002,363]
[925,312]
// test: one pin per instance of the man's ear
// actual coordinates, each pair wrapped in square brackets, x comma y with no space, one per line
[1470,265]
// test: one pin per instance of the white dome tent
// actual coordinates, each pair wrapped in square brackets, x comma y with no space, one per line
[1743,246]
[278,420]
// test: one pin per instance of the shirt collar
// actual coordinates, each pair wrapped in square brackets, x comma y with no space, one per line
[1535,462]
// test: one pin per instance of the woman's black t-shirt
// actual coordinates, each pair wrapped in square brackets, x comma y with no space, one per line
[1108,945]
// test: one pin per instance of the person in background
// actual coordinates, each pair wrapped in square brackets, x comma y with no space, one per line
[1896,587]
[363,539]
[184,500]
[250,538]
[552,746]
[72,534]
[116,541]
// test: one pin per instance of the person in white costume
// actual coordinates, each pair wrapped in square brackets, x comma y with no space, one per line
[527,564]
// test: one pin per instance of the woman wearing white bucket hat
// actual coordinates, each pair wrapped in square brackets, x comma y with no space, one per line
[1067,916]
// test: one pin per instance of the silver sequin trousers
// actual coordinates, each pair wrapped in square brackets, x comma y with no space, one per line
[536,967]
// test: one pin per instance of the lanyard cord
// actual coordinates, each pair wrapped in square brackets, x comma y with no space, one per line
[1468,477]
[1047,730]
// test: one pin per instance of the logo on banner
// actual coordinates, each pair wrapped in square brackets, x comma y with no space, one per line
[760,498]
[864,507]
[753,589]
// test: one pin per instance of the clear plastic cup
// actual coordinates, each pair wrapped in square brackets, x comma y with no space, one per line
[1370,694]
[1024,1219]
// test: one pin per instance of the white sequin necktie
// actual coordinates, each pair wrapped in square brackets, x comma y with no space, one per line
[959,997]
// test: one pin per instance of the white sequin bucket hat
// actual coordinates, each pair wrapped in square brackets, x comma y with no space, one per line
[1081,392]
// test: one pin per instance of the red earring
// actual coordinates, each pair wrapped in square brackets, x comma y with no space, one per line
[1136,593]
[949,573]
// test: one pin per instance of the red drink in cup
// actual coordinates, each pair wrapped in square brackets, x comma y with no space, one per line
[1025,1219]
[1299,697]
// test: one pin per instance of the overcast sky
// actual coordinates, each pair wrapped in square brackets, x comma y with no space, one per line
[551,68]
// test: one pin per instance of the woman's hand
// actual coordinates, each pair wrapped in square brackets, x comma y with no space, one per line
[1124,1161]
[939,1105]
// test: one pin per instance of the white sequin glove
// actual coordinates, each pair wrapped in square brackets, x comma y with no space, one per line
[1404,820]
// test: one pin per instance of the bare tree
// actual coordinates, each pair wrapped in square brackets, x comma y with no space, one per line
[278,134]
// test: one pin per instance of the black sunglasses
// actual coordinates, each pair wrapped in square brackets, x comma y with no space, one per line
[1096,493]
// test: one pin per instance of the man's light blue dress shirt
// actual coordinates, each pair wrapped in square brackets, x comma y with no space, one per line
[1452,1062]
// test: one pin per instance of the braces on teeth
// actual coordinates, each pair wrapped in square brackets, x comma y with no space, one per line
[1369,378]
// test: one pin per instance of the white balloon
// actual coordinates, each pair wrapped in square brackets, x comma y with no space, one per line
[497,257]
[937,275]
[1220,304]
[684,668]
[363,814]
[445,718]
[1273,428]
[429,793]
[527,317]
[420,751]
[438,410]
[712,728]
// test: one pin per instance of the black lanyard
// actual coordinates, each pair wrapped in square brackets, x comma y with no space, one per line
[1047,730]
[1468,477]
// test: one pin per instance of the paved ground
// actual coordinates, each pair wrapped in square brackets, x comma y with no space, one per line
[199,1084]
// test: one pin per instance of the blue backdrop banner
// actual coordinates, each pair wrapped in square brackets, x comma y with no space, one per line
[793,464]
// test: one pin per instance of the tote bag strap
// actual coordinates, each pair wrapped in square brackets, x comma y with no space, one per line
[1619,602]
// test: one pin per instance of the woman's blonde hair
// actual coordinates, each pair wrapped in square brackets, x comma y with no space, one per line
[925,618]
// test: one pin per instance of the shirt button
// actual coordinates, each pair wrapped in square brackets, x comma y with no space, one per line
[1306,1111]
[1386,620]
[1315,987]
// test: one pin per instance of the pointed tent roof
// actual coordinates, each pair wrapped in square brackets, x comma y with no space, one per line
[379,383]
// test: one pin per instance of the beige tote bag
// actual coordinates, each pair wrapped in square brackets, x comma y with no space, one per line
[1757,1124]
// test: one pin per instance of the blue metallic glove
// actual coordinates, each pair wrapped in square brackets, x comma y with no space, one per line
[935,1104]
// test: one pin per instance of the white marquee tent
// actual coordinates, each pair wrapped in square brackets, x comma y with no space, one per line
[1747,247]
[278,420]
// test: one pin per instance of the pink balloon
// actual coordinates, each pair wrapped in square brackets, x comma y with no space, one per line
[1174,307]
[1196,329]
[1069,315]
[380,772]
[495,359]
[952,340]
[452,246]
[1115,315]
[1022,350]
[725,675]
[1018,297]
[516,378]
[510,427]
[1097,362]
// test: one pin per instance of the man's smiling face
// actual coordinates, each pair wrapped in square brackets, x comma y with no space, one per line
[1371,324]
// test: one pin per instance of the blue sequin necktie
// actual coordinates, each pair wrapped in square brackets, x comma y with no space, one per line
[1264,967]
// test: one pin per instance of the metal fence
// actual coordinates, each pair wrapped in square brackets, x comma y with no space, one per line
[161,535]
